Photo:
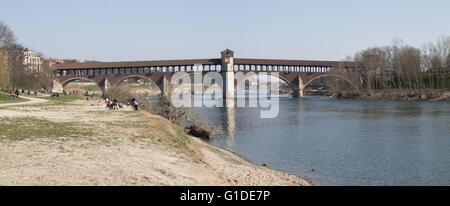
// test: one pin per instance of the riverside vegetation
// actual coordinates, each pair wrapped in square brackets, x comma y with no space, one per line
[400,72]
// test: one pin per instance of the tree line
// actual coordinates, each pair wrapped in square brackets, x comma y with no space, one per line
[400,68]
[13,73]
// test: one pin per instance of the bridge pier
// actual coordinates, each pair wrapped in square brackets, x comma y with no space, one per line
[164,86]
[299,93]
[228,77]
[299,88]
[57,87]
[105,85]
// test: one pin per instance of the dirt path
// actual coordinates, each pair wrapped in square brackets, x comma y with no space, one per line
[31,100]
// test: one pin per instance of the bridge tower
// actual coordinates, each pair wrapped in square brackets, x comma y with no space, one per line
[228,77]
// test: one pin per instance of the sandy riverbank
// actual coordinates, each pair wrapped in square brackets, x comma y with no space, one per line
[74,143]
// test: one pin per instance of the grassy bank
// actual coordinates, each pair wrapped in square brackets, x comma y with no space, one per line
[5,99]
[65,98]
[22,128]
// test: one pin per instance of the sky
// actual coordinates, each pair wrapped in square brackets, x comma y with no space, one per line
[109,30]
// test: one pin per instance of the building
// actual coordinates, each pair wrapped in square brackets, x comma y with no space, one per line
[51,62]
[32,62]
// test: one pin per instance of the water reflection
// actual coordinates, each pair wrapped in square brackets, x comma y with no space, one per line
[230,125]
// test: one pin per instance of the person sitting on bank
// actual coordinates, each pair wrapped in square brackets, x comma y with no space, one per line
[12,94]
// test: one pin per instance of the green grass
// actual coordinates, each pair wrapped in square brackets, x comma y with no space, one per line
[4,98]
[126,124]
[65,98]
[140,86]
[22,128]
[181,140]
[92,88]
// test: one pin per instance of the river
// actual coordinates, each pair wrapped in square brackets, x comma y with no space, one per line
[343,142]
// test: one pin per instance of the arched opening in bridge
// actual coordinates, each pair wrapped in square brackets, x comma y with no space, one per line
[327,85]
[252,84]
[135,85]
[286,87]
[82,86]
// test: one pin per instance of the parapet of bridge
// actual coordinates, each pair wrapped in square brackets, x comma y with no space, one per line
[297,73]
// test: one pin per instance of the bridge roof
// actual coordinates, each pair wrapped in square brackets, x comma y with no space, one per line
[187,62]
[98,65]
[282,62]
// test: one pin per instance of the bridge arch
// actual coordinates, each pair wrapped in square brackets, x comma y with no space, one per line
[66,82]
[293,84]
[329,75]
[281,78]
[129,77]
[116,83]
[62,86]
[284,80]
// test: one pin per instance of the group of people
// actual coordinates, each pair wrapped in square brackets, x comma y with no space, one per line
[13,93]
[115,105]
[56,94]
[87,95]
[16,93]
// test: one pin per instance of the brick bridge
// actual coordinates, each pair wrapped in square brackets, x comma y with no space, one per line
[296,73]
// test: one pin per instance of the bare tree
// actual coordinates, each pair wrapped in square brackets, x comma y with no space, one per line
[401,69]
[12,55]
[4,73]
[15,64]
[376,62]
[7,37]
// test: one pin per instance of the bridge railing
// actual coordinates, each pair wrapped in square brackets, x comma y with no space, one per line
[282,68]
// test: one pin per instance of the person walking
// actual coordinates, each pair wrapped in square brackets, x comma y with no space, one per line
[135,104]
[115,105]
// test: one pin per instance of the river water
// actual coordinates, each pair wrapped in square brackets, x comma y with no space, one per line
[343,142]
